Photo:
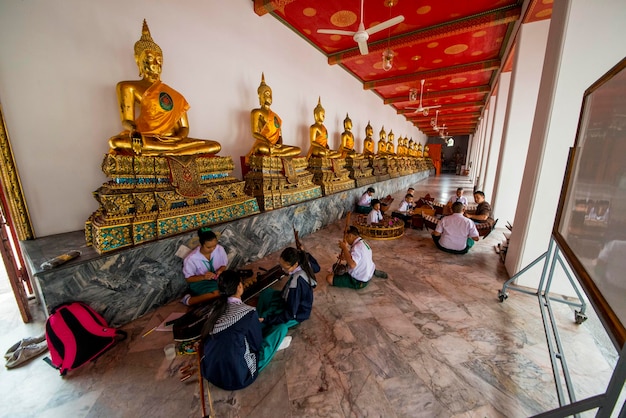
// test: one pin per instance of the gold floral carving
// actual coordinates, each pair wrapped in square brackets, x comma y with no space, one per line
[12,186]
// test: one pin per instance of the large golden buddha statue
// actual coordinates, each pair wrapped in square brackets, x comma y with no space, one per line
[161,125]
[347,141]
[382,142]
[266,128]
[390,140]
[419,153]
[368,142]
[319,135]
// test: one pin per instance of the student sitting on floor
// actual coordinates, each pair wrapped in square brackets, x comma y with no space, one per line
[202,267]
[375,216]
[234,348]
[358,256]
[364,203]
[455,233]
[280,310]
[405,211]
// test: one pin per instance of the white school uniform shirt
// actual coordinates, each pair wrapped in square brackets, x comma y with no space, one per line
[454,230]
[374,217]
[455,199]
[196,264]
[405,207]
[362,255]
[365,200]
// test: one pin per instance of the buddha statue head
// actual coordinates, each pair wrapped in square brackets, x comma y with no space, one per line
[319,113]
[148,55]
[265,92]
[347,123]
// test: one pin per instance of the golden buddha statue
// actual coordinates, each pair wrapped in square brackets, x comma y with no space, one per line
[419,153]
[347,141]
[368,142]
[411,151]
[382,142]
[319,135]
[426,151]
[161,126]
[266,128]
[390,140]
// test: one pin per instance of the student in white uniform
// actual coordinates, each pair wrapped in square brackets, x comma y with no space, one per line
[364,205]
[455,234]
[357,254]
[375,216]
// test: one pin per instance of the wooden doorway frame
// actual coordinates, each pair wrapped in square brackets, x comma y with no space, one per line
[15,224]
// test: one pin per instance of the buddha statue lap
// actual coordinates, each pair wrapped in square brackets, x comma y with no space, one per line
[318,135]
[266,128]
[161,127]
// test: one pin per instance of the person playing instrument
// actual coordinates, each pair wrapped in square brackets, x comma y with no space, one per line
[483,210]
[318,135]
[364,205]
[266,128]
[405,210]
[357,255]
[347,141]
[235,350]
[202,267]
[455,234]
[161,125]
[458,197]
[375,216]
[411,191]
[368,142]
[282,309]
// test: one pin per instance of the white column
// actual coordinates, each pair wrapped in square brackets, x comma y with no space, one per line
[496,137]
[522,101]
[487,147]
[576,57]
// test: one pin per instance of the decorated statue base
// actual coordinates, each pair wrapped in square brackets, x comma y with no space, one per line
[389,228]
[153,197]
[392,167]
[330,174]
[379,164]
[404,166]
[277,182]
[360,171]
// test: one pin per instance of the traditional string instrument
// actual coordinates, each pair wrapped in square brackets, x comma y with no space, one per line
[340,268]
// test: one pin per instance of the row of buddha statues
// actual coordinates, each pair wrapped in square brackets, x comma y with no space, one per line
[165,182]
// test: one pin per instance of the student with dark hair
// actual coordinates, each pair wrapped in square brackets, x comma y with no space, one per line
[482,213]
[202,267]
[234,348]
[292,304]
[455,234]
[375,216]
[357,254]
[364,205]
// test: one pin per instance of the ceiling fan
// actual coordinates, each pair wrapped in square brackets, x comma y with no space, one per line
[362,35]
[423,109]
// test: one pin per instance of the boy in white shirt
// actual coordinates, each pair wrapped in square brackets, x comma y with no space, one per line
[375,216]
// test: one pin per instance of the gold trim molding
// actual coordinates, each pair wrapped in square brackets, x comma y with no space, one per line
[12,186]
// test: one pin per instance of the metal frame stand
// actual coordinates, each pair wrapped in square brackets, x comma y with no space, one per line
[568,406]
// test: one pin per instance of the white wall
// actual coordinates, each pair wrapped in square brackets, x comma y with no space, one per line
[502,95]
[60,61]
[582,46]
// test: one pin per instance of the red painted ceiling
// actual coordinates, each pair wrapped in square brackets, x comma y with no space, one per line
[458,46]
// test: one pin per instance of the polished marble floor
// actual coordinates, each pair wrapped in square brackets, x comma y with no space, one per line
[432,340]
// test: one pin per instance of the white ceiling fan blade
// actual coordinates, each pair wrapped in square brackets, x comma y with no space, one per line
[336,32]
[386,24]
[363,47]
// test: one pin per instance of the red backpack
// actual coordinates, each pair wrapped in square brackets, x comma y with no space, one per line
[76,334]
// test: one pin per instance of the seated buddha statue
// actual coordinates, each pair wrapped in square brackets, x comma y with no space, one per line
[411,151]
[419,153]
[161,126]
[319,135]
[368,142]
[347,141]
[266,128]
[382,143]
[390,139]
[426,151]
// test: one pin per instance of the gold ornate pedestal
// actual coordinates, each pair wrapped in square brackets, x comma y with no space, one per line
[380,168]
[277,182]
[392,167]
[360,171]
[330,174]
[153,197]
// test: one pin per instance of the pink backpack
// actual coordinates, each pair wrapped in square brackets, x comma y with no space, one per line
[76,334]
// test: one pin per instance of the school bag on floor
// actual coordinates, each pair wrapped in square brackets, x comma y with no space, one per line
[76,334]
